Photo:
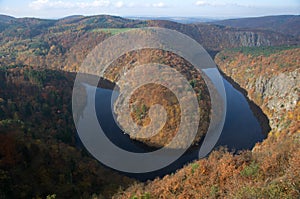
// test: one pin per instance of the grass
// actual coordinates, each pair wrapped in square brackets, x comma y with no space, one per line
[112,31]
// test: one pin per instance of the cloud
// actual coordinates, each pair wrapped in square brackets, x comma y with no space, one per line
[201,3]
[119,4]
[219,4]
[68,4]
[159,5]
[209,3]
[44,4]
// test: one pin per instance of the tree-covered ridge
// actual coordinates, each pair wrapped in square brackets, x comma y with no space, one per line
[152,94]
[286,24]
[64,43]
[271,169]
[34,97]
[272,81]
[264,51]
[39,152]
[38,155]
[55,44]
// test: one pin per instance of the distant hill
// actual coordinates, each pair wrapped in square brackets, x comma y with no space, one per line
[5,18]
[65,42]
[184,20]
[41,155]
[216,37]
[100,21]
[286,24]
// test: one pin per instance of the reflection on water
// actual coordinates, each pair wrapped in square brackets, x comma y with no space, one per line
[241,129]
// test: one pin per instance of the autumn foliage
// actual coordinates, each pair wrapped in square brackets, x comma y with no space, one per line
[270,170]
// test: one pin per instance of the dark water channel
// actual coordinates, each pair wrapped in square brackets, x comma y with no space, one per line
[241,129]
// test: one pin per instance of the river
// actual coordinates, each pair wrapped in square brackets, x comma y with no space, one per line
[241,129]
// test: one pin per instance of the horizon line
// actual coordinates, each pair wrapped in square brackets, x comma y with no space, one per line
[152,16]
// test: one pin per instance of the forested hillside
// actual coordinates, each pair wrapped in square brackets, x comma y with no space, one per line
[285,24]
[41,156]
[39,152]
[271,169]
[63,44]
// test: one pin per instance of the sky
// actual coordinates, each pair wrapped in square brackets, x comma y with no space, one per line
[54,9]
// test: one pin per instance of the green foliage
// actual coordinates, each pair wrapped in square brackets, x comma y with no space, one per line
[112,31]
[259,51]
[193,83]
[144,196]
[11,122]
[194,167]
[200,95]
[5,68]
[251,170]
[53,196]
[144,109]
[272,191]
[37,77]
[40,47]
[223,57]
[140,112]
[214,191]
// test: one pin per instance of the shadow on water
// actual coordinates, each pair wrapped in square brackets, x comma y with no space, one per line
[242,130]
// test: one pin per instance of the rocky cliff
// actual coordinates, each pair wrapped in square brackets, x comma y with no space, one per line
[218,37]
[215,37]
[269,77]
[286,24]
[63,44]
[271,81]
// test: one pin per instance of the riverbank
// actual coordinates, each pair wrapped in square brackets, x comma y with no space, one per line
[271,169]
[257,111]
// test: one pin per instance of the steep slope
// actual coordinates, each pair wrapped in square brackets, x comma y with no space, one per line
[216,37]
[271,77]
[63,44]
[271,169]
[220,37]
[285,24]
[39,152]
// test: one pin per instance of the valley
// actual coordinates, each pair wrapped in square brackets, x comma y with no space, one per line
[41,154]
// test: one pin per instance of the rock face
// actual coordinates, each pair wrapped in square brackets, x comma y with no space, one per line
[63,44]
[272,82]
[279,93]
[283,88]
[286,24]
[218,38]
[248,38]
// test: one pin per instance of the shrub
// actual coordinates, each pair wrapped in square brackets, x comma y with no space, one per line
[251,170]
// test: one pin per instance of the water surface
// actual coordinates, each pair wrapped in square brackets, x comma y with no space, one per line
[241,129]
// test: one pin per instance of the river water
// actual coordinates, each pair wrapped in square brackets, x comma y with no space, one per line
[241,129]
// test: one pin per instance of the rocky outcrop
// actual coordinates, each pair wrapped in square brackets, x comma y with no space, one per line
[272,87]
[248,38]
[217,38]
[279,94]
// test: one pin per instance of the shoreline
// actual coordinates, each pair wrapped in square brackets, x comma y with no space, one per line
[256,110]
